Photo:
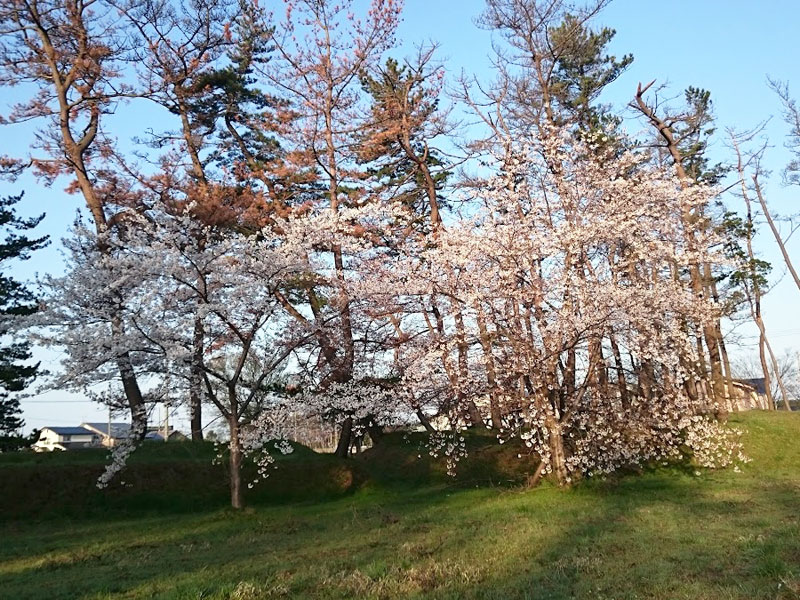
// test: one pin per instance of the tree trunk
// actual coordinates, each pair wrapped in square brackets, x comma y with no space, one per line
[491,376]
[622,383]
[475,417]
[130,386]
[343,446]
[778,377]
[558,457]
[375,433]
[426,423]
[235,463]
[762,339]
[195,389]
[776,234]
[463,373]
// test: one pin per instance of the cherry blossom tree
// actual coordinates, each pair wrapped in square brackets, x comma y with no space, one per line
[322,48]
[70,52]
[552,264]
[160,277]
[283,247]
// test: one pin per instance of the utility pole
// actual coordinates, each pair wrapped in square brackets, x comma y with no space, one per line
[166,407]
[166,422]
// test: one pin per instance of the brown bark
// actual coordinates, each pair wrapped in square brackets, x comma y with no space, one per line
[558,457]
[491,376]
[195,389]
[426,423]
[762,338]
[622,384]
[345,436]
[76,147]
[235,463]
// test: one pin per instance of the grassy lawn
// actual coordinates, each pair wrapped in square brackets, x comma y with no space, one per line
[407,533]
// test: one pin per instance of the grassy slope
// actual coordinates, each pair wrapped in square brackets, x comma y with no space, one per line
[665,534]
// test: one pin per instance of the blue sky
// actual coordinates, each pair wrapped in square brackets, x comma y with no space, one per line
[728,47]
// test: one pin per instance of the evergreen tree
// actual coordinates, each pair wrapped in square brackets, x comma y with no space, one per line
[397,138]
[582,70]
[15,299]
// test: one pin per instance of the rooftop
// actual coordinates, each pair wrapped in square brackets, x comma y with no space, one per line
[69,430]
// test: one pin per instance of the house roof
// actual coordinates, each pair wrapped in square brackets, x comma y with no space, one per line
[118,430]
[69,430]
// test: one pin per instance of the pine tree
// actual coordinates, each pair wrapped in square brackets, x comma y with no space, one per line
[397,139]
[15,299]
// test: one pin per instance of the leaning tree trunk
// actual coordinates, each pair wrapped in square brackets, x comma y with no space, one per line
[762,338]
[426,422]
[778,376]
[130,386]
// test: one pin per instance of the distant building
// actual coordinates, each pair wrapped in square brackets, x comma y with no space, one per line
[65,438]
[749,394]
[156,434]
[118,432]
[95,435]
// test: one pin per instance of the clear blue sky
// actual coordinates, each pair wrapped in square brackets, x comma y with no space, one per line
[728,47]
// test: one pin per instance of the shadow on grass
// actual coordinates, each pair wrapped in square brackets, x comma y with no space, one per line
[664,534]
[659,536]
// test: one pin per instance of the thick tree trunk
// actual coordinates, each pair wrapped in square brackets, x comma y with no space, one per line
[343,446]
[130,386]
[647,378]
[726,364]
[596,357]
[475,418]
[375,433]
[724,401]
[558,456]
[196,419]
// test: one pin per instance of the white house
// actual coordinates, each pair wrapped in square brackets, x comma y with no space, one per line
[95,435]
[65,438]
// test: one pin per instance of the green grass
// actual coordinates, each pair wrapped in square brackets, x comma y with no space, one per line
[404,531]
